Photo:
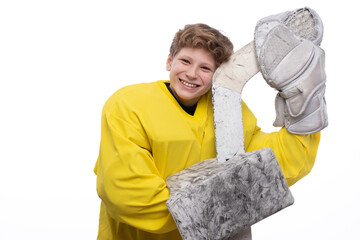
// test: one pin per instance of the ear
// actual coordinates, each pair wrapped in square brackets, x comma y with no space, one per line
[168,63]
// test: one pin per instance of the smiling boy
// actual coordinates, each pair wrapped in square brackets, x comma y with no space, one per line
[191,72]
[152,130]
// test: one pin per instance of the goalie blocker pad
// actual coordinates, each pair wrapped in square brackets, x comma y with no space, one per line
[295,66]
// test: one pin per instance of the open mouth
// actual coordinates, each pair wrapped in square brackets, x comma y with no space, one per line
[191,85]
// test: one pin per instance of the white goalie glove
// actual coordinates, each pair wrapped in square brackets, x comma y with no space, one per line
[291,61]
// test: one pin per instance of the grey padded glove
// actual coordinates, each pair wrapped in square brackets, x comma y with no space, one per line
[291,61]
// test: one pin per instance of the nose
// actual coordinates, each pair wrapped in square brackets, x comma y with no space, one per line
[191,73]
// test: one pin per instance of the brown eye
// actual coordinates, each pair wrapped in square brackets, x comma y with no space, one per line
[185,61]
[207,69]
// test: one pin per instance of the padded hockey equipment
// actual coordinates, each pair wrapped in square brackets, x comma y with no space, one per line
[291,61]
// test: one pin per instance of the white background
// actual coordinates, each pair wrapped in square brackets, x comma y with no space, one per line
[61,60]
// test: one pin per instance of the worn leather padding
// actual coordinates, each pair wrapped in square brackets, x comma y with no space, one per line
[296,68]
[298,85]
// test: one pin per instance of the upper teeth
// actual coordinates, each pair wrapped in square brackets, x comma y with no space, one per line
[188,84]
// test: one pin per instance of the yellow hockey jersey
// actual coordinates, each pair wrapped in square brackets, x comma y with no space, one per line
[146,136]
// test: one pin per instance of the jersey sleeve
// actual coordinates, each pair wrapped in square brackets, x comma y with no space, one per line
[128,181]
[295,153]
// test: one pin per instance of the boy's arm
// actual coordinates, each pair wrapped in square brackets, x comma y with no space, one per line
[295,153]
[128,181]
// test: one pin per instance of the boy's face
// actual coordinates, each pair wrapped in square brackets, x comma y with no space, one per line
[191,71]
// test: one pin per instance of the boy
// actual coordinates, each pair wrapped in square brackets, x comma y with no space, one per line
[150,131]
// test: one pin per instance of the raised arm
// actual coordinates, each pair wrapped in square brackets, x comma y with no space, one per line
[295,153]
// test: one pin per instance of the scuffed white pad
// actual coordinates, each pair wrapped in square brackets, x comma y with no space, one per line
[213,200]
